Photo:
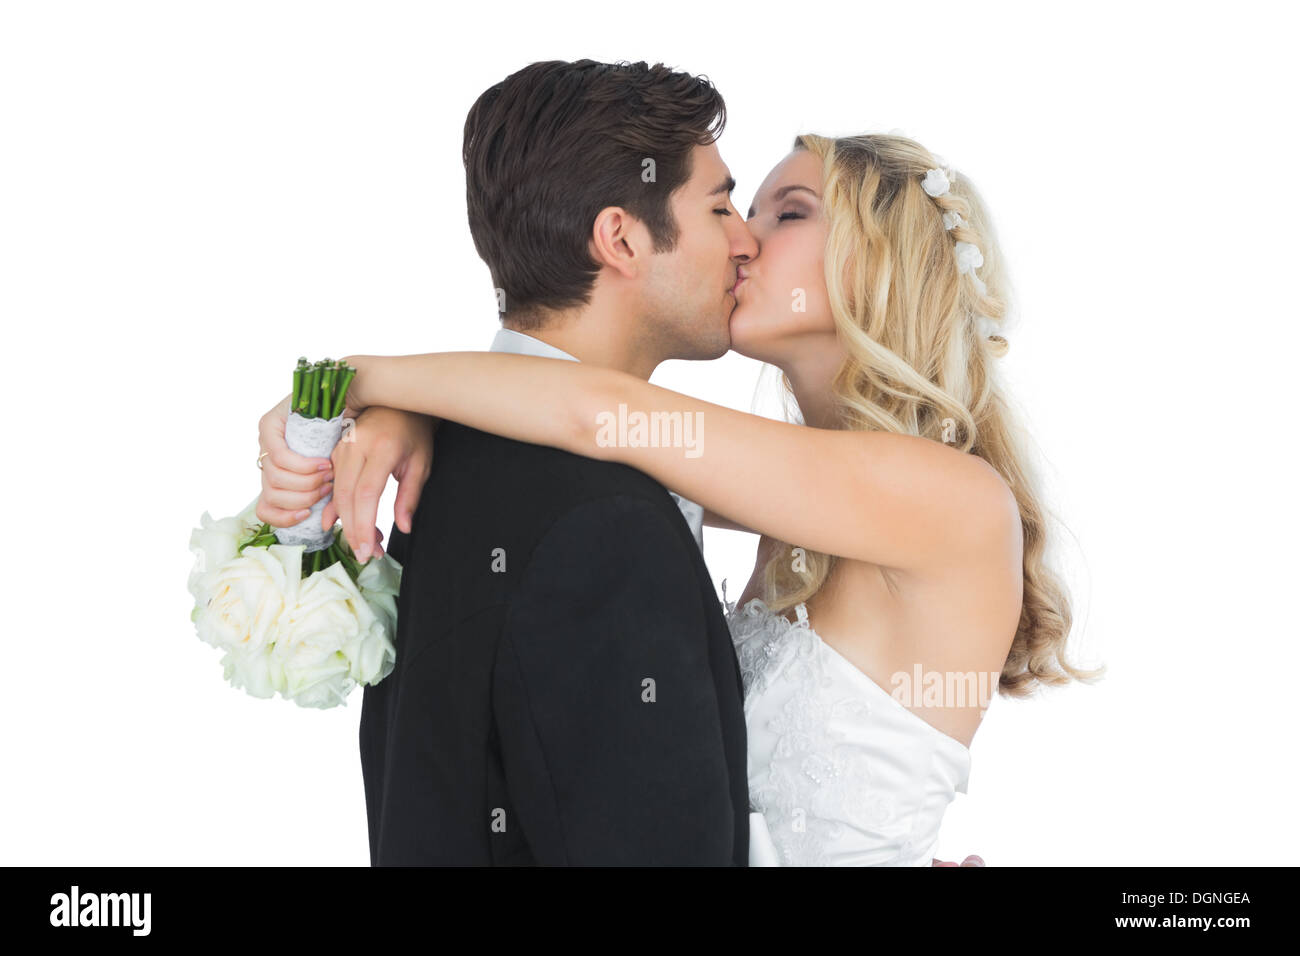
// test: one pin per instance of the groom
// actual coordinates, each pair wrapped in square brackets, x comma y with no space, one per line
[565,690]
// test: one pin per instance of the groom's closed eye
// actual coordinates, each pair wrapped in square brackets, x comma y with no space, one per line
[727,186]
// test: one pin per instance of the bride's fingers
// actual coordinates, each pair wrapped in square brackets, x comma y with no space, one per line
[270,435]
[277,477]
[291,501]
[291,461]
[278,517]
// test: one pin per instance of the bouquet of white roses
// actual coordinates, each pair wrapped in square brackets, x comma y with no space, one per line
[292,608]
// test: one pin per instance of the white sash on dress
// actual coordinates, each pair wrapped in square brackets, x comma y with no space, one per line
[762,851]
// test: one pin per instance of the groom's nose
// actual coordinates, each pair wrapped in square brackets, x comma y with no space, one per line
[743,244]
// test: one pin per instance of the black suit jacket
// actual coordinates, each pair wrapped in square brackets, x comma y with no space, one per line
[566,691]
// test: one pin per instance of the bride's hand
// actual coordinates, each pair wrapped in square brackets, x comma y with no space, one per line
[291,483]
[383,442]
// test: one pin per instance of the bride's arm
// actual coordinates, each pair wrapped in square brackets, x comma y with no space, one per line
[899,501]
[714,520]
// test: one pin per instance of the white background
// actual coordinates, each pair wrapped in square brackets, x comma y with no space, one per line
[194,194]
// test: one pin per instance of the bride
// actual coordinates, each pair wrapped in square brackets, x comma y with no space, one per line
[900,575]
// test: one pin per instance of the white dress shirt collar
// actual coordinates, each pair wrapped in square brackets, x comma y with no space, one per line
[521,343]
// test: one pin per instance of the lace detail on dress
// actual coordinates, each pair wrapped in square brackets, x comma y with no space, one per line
[819,784]
[759,636]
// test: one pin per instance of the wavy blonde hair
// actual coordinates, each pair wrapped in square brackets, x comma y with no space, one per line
[918,365]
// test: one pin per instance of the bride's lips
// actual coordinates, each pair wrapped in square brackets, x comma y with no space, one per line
[740,277]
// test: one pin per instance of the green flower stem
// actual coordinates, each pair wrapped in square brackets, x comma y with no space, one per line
[326,391]
[321,387]
[313,400]
[336,403]
[347,559]
[351,566]
[302,379]
[326,386]
[348,373]
[304,400]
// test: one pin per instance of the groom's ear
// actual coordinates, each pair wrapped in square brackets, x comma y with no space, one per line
[619,241]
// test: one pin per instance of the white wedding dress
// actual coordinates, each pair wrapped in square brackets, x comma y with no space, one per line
[842,774]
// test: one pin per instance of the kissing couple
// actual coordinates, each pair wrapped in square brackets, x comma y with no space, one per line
[568,689]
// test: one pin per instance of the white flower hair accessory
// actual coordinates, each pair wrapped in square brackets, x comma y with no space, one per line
[935,182]
[969,257]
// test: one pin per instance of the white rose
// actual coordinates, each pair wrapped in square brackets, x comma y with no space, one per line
[250,593]
[320,636]
[372,655]
[969,257]
[253,670]
[214,543]
[379,582]
[372,652]
[935,182]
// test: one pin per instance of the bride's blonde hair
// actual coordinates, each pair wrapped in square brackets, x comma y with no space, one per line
[918,363]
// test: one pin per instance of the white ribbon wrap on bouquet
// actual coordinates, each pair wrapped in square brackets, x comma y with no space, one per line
[312,438]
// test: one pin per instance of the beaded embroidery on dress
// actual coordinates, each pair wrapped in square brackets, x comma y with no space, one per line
[843,774]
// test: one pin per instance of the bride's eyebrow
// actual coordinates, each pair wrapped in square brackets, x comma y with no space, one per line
[781,193]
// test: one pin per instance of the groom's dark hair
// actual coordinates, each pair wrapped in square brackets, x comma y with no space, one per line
[551,145]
